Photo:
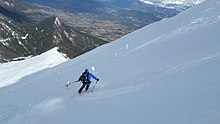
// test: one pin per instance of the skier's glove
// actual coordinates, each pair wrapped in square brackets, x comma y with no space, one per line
[97,79]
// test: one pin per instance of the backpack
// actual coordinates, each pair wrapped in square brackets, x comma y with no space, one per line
[84,77]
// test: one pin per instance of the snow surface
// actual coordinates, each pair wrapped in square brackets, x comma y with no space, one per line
[57,22]
[11,72]
[169,74]
[25,37]
[147,2]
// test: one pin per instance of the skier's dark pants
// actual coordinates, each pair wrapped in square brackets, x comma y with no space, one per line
[84,85]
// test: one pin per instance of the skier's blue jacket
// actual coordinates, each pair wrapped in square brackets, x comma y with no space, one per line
[88,79]
[90,75]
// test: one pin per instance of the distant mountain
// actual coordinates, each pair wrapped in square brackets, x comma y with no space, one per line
[182,2]
[90,6]
[71,42]
[179,5]
[23,33]
[14,15]
[20,40]
[100,6]
[143,6]
[108,20]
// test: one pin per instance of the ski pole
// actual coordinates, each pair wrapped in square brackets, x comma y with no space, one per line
[94,86]
[68,83]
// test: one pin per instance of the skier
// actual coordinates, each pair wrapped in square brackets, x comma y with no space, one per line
[85,78]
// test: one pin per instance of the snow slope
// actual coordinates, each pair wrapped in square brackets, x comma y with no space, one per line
[13,71]
[165,73]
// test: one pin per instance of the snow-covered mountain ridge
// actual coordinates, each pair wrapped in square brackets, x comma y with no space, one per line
[174,4]
[13,71]
[182,2]
[169,75]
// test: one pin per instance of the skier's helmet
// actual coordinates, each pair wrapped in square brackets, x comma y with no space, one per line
[86,70]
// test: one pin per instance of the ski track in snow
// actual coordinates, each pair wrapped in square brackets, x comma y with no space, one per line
[199,21]
[109,93]
[188,64]
[34,113]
